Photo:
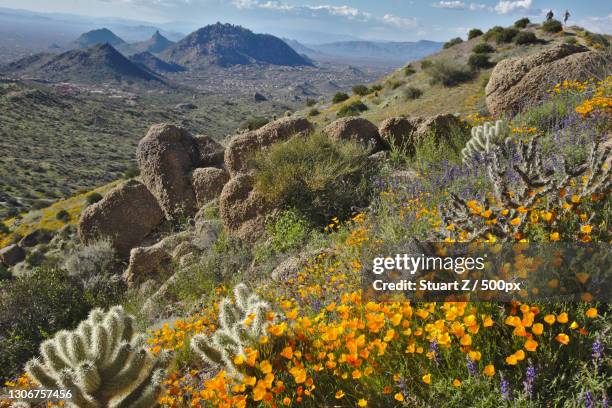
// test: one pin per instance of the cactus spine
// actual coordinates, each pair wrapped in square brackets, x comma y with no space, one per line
[482,137]
[242,322]
[103,362]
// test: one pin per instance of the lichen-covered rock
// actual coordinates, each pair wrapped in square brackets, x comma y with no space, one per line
[210,152]
[242,209]
[147,263]
[126,215]
[11,255]
[356,129]
[440,127]
[166,156]
[242,146]
[517,83]
[397,131]
[207,183]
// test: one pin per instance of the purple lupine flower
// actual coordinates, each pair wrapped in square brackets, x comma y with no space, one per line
[530,380]
[433,348]
[598,351]
[505,389]
[471,366]
[401,383]
[588,400]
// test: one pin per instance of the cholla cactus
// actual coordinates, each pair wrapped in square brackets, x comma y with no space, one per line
[482,139]
[242,322]
[103,362]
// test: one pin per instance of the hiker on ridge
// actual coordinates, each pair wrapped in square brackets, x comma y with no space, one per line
[549,15]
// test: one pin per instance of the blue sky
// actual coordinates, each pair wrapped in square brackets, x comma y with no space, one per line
[398,20]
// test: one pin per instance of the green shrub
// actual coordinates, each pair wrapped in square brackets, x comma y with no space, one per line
[131,172]
[93,198]
[288,231]
[310,102]
[525,37]
[376,88]
[408,70]
[483,48]
[448,74]
[63,215]
[453,42]
[479,61]
[474,32]
[552,26]
[32,309]
[361,90]
[340,97]
[352,109]
[394,83]
[596,40]
[426,64]
[522,23]
[5,273]
[493,33]
[506,35]
[318,177]
[254,123]
[313,112]
[570,40]
[412,92]
[4,229]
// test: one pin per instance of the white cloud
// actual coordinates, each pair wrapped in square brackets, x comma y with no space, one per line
[458,5]
[505,7]
[597,24]
[347,12]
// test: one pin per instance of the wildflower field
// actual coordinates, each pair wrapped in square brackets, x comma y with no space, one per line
[315,340]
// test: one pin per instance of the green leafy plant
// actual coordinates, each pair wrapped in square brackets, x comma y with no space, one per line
[448,74]
[473,33]
[288,231]
[483,48]
[426,64]
[352,109]
[412,92]
[254,123]
[361,90]
[522,23]
[479,61]
[552,26]
[525,37]
[453,42]
[340,97]
[394,83]
[103,362]
[93,198]
[409,70]
[313,112]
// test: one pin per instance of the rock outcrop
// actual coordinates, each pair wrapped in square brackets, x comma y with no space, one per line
[408,132]
[207,183]
[166,156]
[210,152]
[397,130]
[11,255]
[243,146]
[147,263]
[517,83]
[356,129]
[126,215]
[242,209]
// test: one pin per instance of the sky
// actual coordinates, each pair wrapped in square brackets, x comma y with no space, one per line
[391,20]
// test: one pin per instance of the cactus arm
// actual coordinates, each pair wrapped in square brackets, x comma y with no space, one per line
[39,373]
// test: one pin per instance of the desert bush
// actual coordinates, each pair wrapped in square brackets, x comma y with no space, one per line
[394,83]
[506,35]
[483,48]
[376,88]
[493,33]
[478,61]
[63,215]
[448,74]
[288,231]
[310,102]
[34,307]
[340,97]
[522,23]
[596,40]
[408,70]
[254,123]
[361,90]
[318,177]
[570,40]
[412,92]
[4,229]
[93,198]
[525,37]
[552,26]
[426,64]
[474,32]
[452,42]
[352,109]
[132,171]
[5,273]
[313,112]
[91,262]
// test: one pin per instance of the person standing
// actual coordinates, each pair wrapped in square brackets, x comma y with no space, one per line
[549,15]
[566,16]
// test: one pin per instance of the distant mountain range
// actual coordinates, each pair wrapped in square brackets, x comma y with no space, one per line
[393,53]
[99,36]
[156,44]
[225,45]
[96,64]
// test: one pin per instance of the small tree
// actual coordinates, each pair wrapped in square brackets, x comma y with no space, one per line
[483,48]
[452,42]
[552,26]
[522,23]
[340,97]
[478,61]
[474,32]
[525,37]
[361,90]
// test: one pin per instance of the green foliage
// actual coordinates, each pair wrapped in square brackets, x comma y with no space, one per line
[361,90]
[352,109]
[311,102]
[448,74]
[552,26]
[596,40]
[376,88]
[479,61]
[493,33]
[522,23]
[474,32]
[394,83]
[506,35]
[340,97]
[452,42]
[435,149]
[34,307]
[426,64]
[313,112]
[5,273]
[412,92]
[318,177]
[243,322]
[288,231]
[525,37]
[570,40]
[103,362]
[93,198]
[483,48]
[4,229]
[254,123]
[408,70]
[63,215]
